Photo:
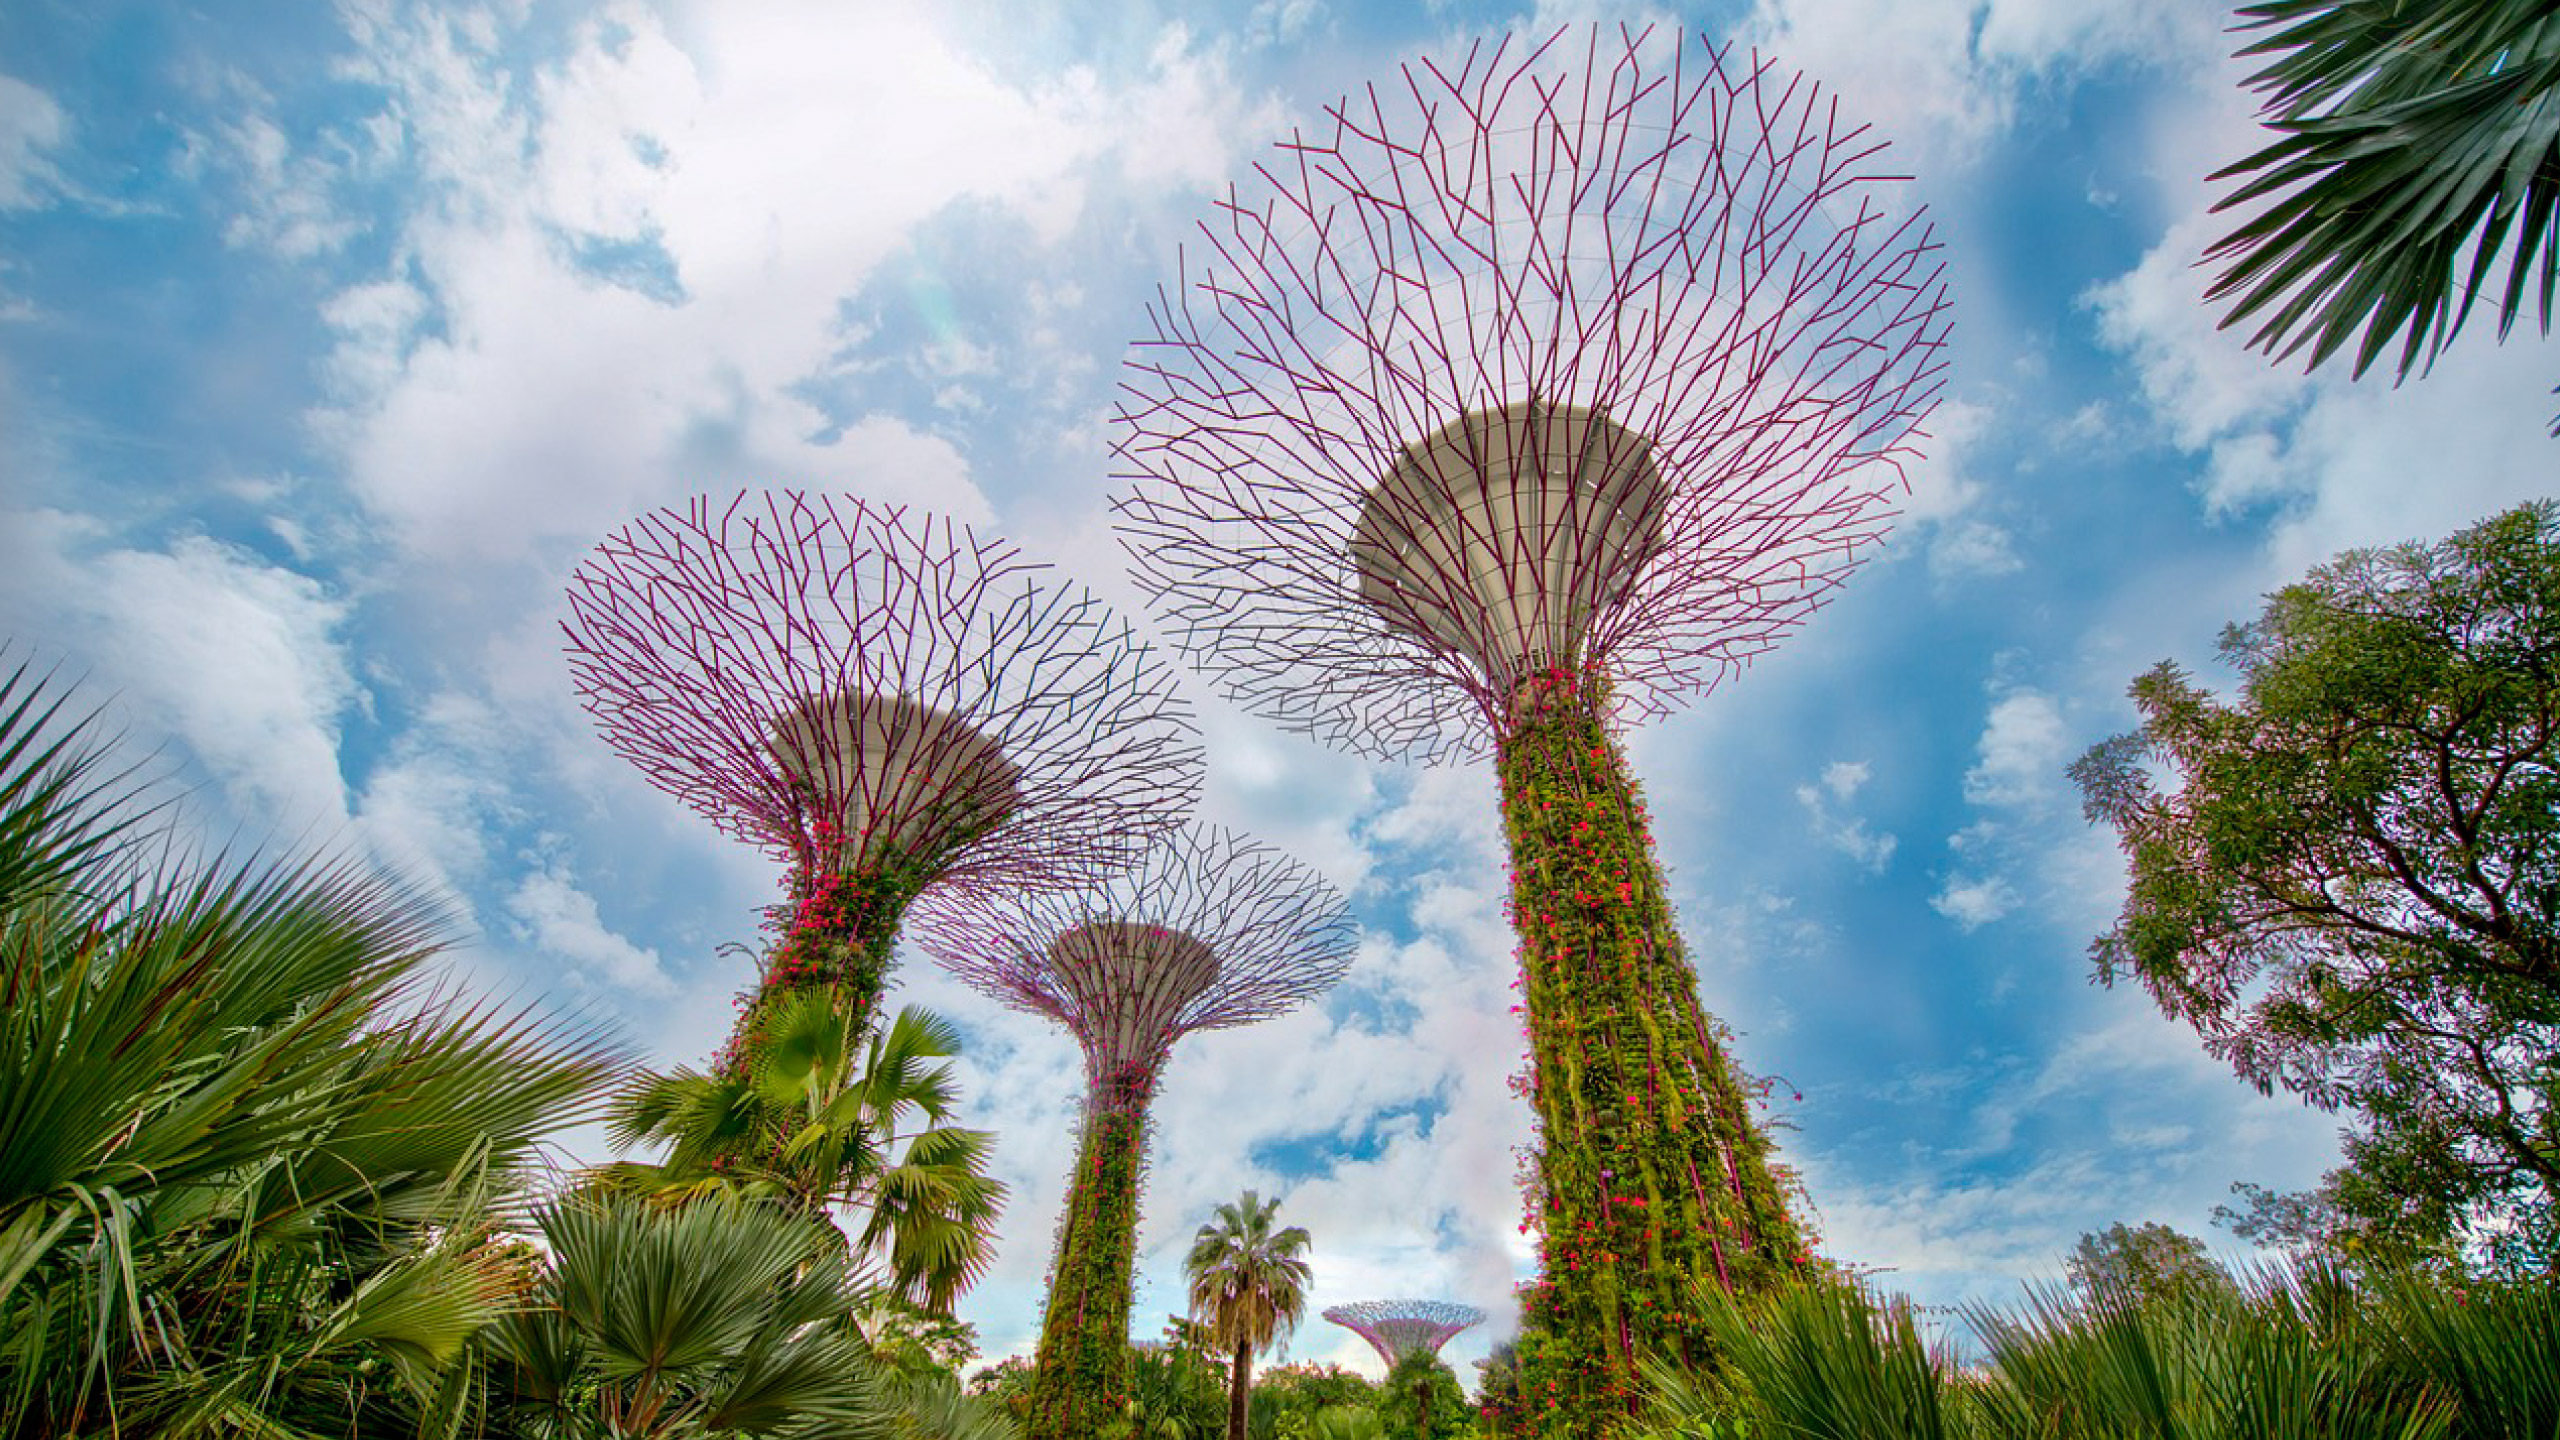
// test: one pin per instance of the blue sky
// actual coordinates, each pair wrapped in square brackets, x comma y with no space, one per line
[330,340]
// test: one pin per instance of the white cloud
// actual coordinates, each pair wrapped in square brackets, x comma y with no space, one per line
[241,661]
[31,127]
[2124,1118]
[637,263]
[561,920]
[2339,463]
[1974,901]
[286,204]
[1945,76]
[1849,834]
[2020,757]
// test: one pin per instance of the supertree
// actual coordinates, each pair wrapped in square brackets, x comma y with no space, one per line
[1401,1330]
[1398,1328]
[1211,930]
[1535,392]
[887,704]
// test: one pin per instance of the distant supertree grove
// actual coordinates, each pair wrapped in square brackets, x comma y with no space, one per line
[1398,1328]
[1529,391]
[884,702]
[1211,930]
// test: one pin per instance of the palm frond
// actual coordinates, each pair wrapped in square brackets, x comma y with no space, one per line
[2418,147]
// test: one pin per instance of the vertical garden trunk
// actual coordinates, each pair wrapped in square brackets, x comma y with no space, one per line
[1650,1175]
[838,932]
[1080,1373]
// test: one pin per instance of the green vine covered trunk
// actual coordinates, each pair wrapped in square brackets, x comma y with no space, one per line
[1080,1378]
[1650,1176]
[838,931]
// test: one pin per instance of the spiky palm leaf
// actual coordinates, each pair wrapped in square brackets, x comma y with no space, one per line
[244,1155]
[724,1317]
[820,1122]
[1815,1360]
[2412,136]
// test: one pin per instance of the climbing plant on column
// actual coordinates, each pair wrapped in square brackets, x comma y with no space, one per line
[1211,930]
[1536,390]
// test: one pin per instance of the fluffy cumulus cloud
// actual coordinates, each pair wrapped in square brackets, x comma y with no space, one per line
[1826,805]
[242,659]
[1946,76]
[560,919]
[631,273]
[2020,757]
[32,126]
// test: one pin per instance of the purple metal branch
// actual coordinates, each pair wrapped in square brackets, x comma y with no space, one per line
[855,689]
[1211,930]
[1595,353]
[1398,1328]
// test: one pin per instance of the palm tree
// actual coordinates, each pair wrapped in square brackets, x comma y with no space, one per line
[251,1156]
[813,1126]
[2410,134]
[651,1322]
[1248,1286]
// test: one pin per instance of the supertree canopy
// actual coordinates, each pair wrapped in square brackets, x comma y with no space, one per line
[1211,930]
[1530,390]
[1398,1328]
[884,702]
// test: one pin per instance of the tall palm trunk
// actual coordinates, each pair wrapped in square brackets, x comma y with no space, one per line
[1239,1391]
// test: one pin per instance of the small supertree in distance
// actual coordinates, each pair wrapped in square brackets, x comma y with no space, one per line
[1529,394]
[886,703]
[1211,930]
[1400,1330]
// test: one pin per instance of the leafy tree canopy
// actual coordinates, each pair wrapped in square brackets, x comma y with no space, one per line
[1422,1400]
[2350,886]
[2151,1262]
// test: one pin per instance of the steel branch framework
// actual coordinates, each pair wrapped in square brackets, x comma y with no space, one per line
[1592,354]
[1532,391]
[849,687]
[1211,930]
[1398,1328]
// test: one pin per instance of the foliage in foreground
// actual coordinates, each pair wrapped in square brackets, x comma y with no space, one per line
[718,1317]
[2353,892]
[818,1117]
[252,1161]
[2408,135]
[2286,1353]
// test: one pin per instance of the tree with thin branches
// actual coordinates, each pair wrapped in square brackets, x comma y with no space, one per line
[1248,1278]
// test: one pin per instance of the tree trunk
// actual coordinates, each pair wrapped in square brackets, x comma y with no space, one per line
[1240,1391]
[1651,1175]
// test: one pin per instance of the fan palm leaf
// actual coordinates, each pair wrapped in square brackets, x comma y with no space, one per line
[724,1317]
[1248,1284]
[819,1122]
[245,1149]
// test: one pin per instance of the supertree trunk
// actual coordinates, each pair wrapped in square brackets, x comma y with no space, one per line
[1080,1374]
[1649,1176]
[837,933]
